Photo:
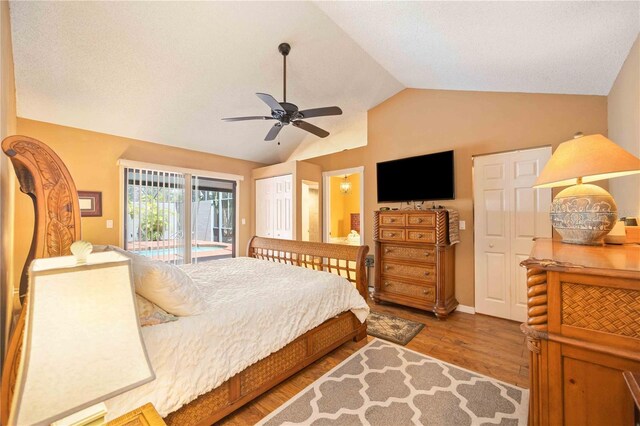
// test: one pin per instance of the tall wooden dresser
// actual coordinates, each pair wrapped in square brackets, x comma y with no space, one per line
[583,332]
[415,263]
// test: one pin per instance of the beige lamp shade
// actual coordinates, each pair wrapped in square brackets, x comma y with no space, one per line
[591,158]
[82,341]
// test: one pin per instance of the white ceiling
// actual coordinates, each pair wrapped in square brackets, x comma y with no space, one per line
[574,47]
[167,72]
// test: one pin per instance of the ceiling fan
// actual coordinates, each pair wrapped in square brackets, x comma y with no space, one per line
[288,113]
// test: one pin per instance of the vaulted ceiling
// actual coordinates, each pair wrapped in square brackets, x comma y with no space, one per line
[167,72]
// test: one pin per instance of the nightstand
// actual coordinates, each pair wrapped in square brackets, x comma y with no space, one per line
[143,416]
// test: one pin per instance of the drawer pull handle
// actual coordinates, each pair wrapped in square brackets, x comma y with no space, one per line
[391,219]
[420,220]
[425,291]
[392,234]
[387,250]
[387,267]
[420,235]
[427,254]
[426,274]
[387,283]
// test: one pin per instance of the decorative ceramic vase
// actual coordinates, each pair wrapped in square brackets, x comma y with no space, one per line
[583,214]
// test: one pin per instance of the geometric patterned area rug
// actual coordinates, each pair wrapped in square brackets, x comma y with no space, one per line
[393,329]
[386,384]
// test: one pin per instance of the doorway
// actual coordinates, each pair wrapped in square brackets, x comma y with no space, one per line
[343,206]
[310,211]
[508,214]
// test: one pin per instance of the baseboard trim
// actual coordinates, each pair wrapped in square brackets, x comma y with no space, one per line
[466,309]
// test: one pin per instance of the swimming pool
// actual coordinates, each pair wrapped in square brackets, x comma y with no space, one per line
[175,250]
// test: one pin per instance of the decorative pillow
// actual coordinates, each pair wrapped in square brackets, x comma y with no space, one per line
[151,314]
[167,286]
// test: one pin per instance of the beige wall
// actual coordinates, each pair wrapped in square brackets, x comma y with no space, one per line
[7,127]
[415,122]
[91,159]
[624,129]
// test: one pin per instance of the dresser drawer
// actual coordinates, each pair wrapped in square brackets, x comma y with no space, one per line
[392,219]
[422,219]
[392,234]
[422,236]
[426,293]
[425,273]
[422,254]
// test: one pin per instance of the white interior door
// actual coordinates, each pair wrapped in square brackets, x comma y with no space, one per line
[264,207]
[283,194]
[508,214]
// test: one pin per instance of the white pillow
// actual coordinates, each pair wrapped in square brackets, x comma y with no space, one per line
[164,284]
[167,286]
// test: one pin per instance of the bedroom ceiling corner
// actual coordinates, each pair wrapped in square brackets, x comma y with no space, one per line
[168,72]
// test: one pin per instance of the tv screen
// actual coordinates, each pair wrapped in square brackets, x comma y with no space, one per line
[423,178]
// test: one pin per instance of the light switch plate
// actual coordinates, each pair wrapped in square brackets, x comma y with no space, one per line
[109,223]
[463,225]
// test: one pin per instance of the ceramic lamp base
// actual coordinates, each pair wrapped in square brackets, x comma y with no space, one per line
[583,214]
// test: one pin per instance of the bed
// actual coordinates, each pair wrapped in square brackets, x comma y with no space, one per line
[44,177]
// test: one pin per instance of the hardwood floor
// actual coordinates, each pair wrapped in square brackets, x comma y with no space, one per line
[491,346]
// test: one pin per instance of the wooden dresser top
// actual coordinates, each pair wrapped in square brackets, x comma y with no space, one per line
[610,260]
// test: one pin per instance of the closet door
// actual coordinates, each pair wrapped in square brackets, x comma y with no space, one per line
[264,207]
[508,214]
[283,215]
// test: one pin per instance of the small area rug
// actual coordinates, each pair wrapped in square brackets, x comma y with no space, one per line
[385,384]
[393,329]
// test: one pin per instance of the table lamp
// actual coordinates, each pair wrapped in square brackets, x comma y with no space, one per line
[585,213]
[82,342]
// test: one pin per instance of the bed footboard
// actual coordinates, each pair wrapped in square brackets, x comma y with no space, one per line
[346,261]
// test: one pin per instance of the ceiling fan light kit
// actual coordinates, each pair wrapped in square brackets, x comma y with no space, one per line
[287,113]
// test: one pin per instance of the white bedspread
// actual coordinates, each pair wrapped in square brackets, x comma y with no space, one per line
[256,307]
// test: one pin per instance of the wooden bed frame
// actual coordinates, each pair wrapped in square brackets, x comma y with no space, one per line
[45,178]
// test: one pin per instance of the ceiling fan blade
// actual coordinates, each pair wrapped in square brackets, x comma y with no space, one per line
[271,101]
[273,132]
[320,112]
[255,117]
[310,128]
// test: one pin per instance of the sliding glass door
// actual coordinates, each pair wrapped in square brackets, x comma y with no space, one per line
[158,209]
[213,219]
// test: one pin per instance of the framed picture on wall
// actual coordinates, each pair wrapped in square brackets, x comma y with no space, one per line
[90,203]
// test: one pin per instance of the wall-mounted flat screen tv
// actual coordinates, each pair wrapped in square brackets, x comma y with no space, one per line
[423,178]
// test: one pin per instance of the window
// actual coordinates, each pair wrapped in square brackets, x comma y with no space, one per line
[158,207]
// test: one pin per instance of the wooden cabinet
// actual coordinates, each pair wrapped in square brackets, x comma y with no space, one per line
[583,332]
[414,260]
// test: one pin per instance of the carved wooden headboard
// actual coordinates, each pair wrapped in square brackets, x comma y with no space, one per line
[45,179]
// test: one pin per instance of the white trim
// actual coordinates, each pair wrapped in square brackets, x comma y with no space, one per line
[466,309]
[326,197]
[206,173]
